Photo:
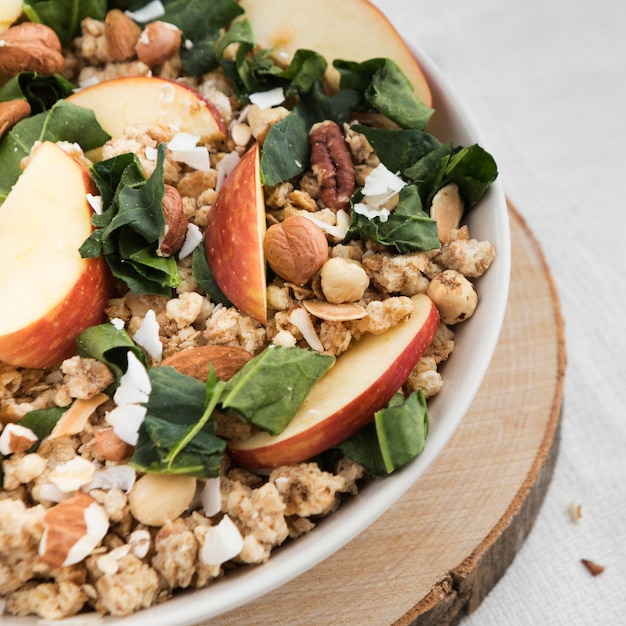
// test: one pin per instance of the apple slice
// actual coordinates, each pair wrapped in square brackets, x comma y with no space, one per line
[353,30]
[152,101]
[49,293]
[363,380]
[234,237]
[10,10]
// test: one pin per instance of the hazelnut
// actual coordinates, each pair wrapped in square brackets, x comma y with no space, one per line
[295,249]
[158,42]
[343,280]
[453,295]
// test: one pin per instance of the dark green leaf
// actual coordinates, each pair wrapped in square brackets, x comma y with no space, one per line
[396,436]
[270,388]
[63,122]
[202,274]
[41,92]
[177,435]
[401,430]
[64,16]
[386,89]
[42,422]
[408,228]
[110,346]
[398,149]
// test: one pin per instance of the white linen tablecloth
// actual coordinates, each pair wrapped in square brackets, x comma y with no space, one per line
[545,81]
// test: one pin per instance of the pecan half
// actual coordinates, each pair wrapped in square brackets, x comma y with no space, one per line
[11,112]
[30,47]
[332,165]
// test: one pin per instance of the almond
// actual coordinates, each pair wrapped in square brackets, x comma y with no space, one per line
[159,42]
[195,362]
[72,529]
[121,34]
[175,222]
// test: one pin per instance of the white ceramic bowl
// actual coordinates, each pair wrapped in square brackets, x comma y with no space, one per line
[463,374]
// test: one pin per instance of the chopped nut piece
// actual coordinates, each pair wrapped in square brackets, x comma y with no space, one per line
[16,438]
[594,568]
[576,511]
[11,112]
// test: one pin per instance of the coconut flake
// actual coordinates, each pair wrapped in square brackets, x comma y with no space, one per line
[336,231]
[371,212]
[147,336]
[211,497]
[126,420]
[184,149]
[118,323]
[95,202]
[51,492]
[269,98]
[221,543]
[134,387]
[148,13]
[72,475]
[225,167]
[120,477]
[192,240]
[139,541]
[301,319]
[381,181]
[151,153]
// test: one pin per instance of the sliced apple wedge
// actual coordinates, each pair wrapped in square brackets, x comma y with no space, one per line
[49,293]
[10,10]
[353,30]
[151,101]
[362,381]
[234,237]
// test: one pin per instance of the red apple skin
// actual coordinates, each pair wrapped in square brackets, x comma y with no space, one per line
[341,424]
[51,339]
[234,238]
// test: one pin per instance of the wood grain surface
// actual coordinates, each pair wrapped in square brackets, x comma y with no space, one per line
[442,547]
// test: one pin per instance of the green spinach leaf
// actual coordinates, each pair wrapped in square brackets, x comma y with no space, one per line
[177,435]
[63,122]
[129,227]
[386,89]
[41,92]
[64,16]
[203,275]
[407,229]
[110,346]
[42,422]
[270,388]
[395,437]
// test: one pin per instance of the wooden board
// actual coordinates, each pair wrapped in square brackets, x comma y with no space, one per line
[442,547]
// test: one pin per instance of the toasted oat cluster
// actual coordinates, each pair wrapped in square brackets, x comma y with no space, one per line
[76,531]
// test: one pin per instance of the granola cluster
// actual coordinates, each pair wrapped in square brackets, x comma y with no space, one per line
[134,565]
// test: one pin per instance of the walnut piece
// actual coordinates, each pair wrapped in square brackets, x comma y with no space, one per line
[30,47]
[332,165]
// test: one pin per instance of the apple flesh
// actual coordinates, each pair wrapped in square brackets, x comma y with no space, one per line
[352,30]
[234,237]
[151,101]
[49,293]
[362,381]
[10,10]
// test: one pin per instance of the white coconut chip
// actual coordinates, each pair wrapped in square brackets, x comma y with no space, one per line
[301,319]
[72,475]
[95,202]
[51,492]
[225,167]
[192,239]
[147,336]
[148,13]
[120,477]
[184,149]
[126,420]
[381,181]
[222,543]
[269,98]
[211,497]
[118,323]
